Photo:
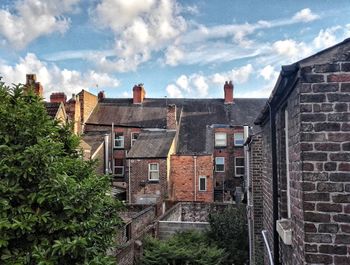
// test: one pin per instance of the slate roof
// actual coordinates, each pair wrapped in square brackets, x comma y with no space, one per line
[52,108]
[152,144]
[94,139]
[195,116]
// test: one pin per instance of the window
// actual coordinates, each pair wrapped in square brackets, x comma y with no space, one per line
[238,139]
[219,164]
[202,183]
[239,166]
[220,139]
[153,171]
[134,137]
[119,167]
[118,140]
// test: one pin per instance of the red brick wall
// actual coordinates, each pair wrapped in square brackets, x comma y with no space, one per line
[182,178]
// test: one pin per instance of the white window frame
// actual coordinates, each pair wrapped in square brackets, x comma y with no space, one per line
[236,167]
[240,139]
[216,163]
[153,171]
[217,140]
[119,175]
[120,139]
[289,212]
[205,183]
[132,138]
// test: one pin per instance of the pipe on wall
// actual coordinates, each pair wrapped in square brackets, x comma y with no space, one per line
[106,154]
[274,184]
[195,177]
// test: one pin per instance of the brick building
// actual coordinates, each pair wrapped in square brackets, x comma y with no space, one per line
[207,150]
[306,161]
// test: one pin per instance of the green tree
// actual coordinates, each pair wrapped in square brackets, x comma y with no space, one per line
[186,248]
[53,208]
[230,231]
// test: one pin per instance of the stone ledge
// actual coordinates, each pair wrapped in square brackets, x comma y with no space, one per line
[284,230]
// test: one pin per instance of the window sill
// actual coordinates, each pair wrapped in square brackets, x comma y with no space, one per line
[284,229]
[153,181]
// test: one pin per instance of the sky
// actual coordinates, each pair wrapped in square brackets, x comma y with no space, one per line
[176,48]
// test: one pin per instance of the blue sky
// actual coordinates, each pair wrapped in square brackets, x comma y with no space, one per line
[177,48]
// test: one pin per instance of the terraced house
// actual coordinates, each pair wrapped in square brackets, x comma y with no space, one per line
[164,149]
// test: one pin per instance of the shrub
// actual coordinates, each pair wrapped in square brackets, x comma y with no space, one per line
[53,207]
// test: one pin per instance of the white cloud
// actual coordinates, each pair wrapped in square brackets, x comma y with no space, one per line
[326,38]
[173,55]
[268,72]
[174,91]
[305,15]
[34,18]
[291,49]
[141,29]
[198,85]
[53,78]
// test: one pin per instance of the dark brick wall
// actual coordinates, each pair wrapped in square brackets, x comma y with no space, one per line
[230,152]
[319,167]
[256,198]
[141,187]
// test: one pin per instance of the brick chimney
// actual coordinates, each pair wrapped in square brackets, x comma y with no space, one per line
[228,90]
[171,121]
[33,84]
[101,95]
[58,97]
[139,94]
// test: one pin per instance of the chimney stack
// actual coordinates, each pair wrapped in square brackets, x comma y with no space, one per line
[101,95]
[33,84]
[58,97]
[228,90]
[139,94]
[171,121]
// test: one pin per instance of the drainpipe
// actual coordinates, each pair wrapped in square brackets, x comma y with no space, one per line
[112,145]
[274,184]
[249,205]
[195,177]
[106,153]
[129,182]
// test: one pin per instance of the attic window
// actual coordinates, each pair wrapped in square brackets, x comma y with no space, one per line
[220,139]
[153,171]
[119,140]
[238,139]
[219,164]
[239,166]
[134,136]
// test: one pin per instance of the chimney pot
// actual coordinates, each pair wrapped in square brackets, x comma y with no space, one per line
[58,97]
[139,94]
[101,95]
[228,91]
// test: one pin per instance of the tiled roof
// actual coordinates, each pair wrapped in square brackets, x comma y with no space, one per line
[152,144]
[94,139]
[195,120]
[52,108]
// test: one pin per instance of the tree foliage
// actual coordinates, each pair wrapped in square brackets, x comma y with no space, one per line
[186,248]
[230,231]
[53,207]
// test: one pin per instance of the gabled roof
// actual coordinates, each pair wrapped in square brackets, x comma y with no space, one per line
[94,139]
[152,144]
[195,117]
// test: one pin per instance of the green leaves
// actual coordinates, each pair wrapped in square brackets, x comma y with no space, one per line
[53,207]
[186,248]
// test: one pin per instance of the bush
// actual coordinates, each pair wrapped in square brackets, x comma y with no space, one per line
[186,248]
[229,230]
[54,208]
